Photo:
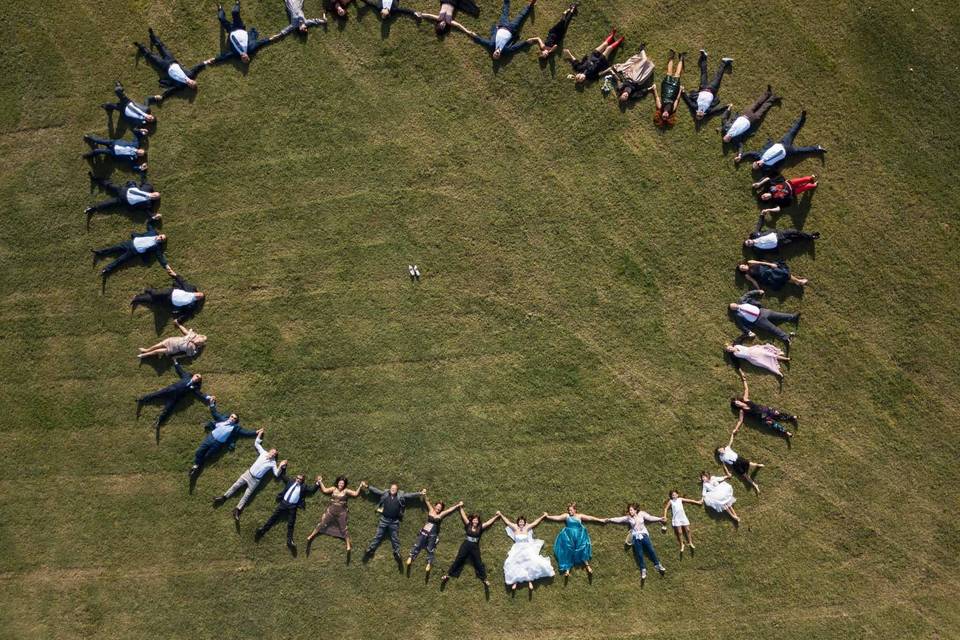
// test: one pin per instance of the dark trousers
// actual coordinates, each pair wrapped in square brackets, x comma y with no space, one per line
[170,394]
[786,236]
[283,510]
[207,449]
[153,296]
[714,85]
[512,25]
[123,251]
[383,527]
[769,320]
[235,15]
[643,546]
[426,541]
[558,31]
[469,551]
[760,107]
[159,62]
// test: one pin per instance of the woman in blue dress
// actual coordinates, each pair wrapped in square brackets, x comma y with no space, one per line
[572,546]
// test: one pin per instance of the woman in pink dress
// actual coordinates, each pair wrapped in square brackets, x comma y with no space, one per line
[764,356]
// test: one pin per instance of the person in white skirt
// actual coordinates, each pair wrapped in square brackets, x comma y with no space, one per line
[679,520]
[763,356]
[718,494]
[524,562]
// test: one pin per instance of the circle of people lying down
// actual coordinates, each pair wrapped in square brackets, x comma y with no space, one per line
[629,80]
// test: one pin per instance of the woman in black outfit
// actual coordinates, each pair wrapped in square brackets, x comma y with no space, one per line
[470,547]
[768,416]
[769,275]
[556,34]
[590,67]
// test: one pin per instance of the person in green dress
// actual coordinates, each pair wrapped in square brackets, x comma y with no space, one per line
[668,97]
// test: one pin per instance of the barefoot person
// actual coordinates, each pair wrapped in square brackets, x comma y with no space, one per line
[769,275]
[189,344]
[572,546]
[679,521]
[640,538]
[524,562]
[470,548]
[764,356]
[730,459]
[429,534]
[667,99]
[334,520]
[718,494]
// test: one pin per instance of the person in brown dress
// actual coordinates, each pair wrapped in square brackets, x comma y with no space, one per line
[334,520]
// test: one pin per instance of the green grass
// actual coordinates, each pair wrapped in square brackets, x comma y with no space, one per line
[564,343]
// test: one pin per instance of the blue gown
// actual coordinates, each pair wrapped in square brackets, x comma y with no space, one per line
[572,546]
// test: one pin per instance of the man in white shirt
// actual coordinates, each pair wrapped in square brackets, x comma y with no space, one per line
[241,43]
[772,239]
[749,314]
[131,151]
[736,128]
[146,244]
[289,500]
[172,76]
[266,461]
[182,300]
[705,101]
[773,153]
[130,194]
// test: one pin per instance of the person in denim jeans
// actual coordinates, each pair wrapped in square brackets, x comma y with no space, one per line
[391,506]
[773,154]
[639,537]
[503,34]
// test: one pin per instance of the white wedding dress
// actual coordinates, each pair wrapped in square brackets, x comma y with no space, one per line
[524,562]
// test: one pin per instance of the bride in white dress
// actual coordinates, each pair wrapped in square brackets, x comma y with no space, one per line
[524,562]
[718,494]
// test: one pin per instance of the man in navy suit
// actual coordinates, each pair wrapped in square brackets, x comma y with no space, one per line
[292,498]
[173,393]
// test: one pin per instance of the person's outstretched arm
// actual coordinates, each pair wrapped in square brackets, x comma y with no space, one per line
[558,518]
[463,515]
[180,371]
[751,296]
[618,520]
[413,495]
[733,434]
[761,182]
[214,412]
[486,525]
[536,521]
[666,505]
[676,101]
[323,488]
[506,521]
[353,493]
[748,155]
[715,109]
[691,103]
[690,501]
[375,491]
[586,518]
[749,278]
[446,512]
[656,97]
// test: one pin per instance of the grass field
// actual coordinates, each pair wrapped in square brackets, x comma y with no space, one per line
[564,343]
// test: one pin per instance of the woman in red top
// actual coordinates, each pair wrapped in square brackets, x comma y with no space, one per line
[781,191]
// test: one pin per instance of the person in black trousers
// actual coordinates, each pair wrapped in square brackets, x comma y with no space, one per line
[181,301]
[704,102]
[172,394]
[120,149]
[735,128]
[772,240]
[289,501]
[145,244]
[470,547]
[222,431]
[173,77]
[138,197]
[391,506]
[749,314]
[774,154]
[556,34]
[241,43]
[133,112]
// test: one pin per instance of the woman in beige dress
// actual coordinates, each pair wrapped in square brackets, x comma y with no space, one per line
[188,344]
[334,520]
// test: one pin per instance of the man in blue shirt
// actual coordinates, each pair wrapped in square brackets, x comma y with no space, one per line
[222,431]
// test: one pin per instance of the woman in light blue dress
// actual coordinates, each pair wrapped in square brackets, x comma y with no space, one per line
[572,546]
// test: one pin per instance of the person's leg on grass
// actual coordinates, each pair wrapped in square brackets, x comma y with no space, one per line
[788,137]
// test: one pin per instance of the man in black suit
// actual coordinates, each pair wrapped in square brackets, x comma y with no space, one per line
[172,394]
[292,498]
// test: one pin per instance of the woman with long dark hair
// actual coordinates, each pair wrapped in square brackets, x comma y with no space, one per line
[470,547]
[334,520]
[429,534]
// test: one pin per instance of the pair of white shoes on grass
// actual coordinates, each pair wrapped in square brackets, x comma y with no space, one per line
[414,272]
